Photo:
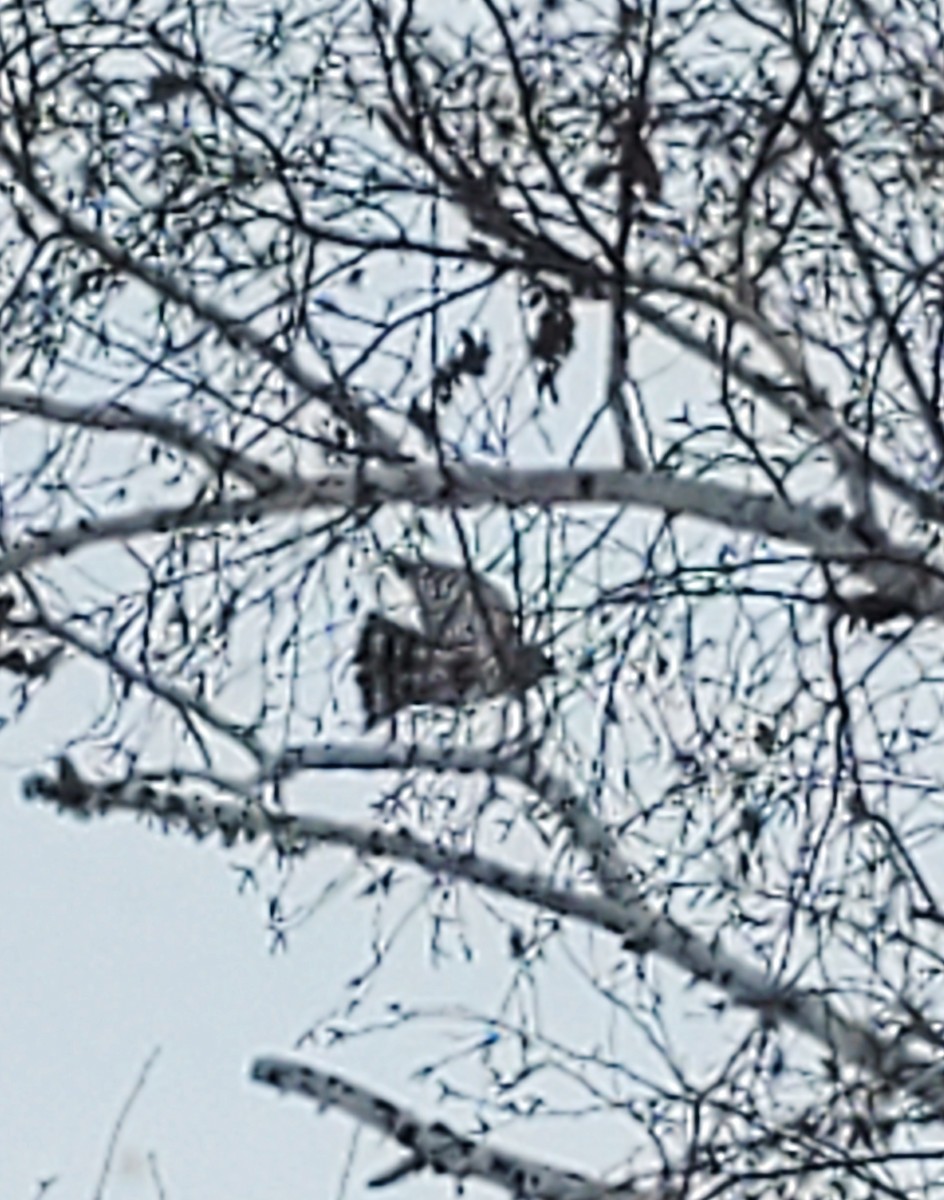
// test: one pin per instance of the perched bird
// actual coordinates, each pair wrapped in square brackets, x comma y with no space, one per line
[456,608]
[467,649]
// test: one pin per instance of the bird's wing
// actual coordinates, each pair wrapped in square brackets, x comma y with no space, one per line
[397,667]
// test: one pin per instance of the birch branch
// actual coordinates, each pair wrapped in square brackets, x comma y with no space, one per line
[120,418]
[901,1063]
[814,414]
[435,1144]
[241,335]
[189,707]
[793,393]
[901,574]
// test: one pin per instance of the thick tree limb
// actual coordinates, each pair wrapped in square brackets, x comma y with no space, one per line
[904,579]
[435,1145]
[898,1062]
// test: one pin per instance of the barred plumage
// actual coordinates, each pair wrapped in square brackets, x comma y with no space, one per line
[468,648]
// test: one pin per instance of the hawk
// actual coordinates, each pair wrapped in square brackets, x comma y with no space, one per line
[467,649]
